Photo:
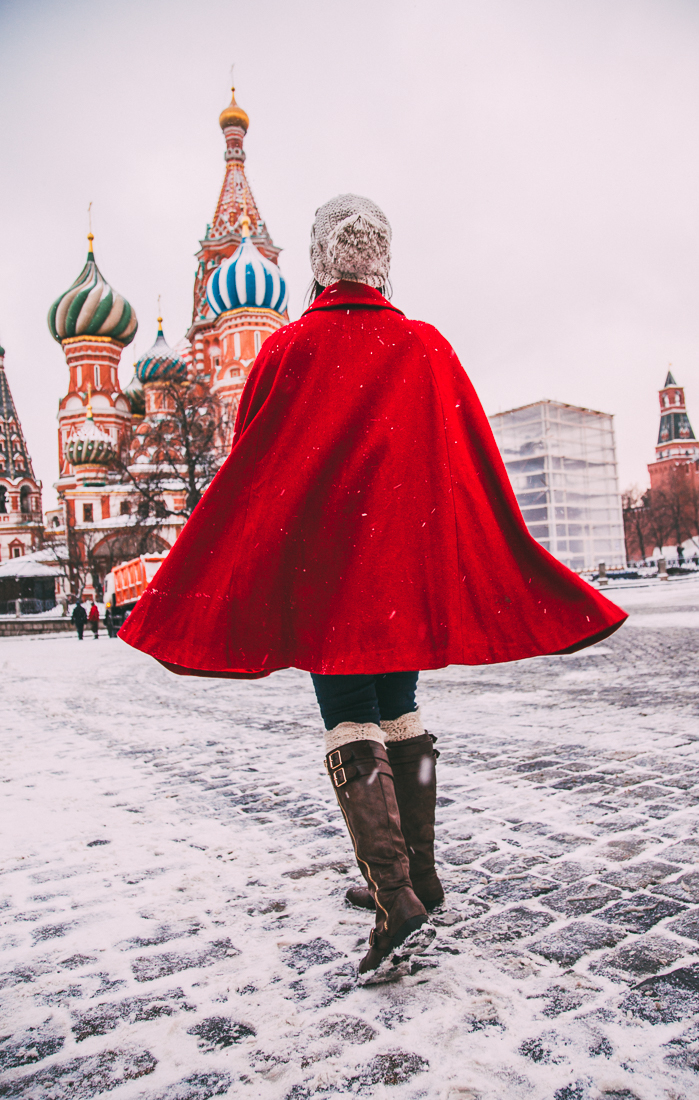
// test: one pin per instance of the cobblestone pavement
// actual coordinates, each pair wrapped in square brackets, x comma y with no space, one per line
[172,901]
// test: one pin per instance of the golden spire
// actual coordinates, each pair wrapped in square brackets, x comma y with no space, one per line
[90,234]
[233,115]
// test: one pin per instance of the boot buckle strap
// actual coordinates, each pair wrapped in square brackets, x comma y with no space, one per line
[334,759]
[339,777]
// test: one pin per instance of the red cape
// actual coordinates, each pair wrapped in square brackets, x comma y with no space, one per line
[363,521]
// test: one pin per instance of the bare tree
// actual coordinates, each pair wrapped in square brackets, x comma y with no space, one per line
[84,556]
[659,522]
[693,510]
[635,521]
[678,504]
[179,449]
[73,555]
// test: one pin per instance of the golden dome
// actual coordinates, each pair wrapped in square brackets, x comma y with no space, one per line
[233,115]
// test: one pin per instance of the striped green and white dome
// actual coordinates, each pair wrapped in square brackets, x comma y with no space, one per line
[89,445]
[90,307]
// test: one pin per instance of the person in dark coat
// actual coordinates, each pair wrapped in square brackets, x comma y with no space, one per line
[364,528]
[79,617]
[94,618]
[109,621]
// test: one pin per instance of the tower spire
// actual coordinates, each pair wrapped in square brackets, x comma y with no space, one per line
[675,435]
[20,492]
[236,215]
[14,456]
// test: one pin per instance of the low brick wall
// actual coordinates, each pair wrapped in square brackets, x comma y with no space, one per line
[26,624]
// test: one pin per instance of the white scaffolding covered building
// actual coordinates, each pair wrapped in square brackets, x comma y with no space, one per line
[561,460]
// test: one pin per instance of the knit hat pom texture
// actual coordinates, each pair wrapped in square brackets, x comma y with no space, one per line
[351,240]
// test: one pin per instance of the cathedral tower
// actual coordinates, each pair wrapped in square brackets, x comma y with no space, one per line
[239,293]
[93,323]
[21,521]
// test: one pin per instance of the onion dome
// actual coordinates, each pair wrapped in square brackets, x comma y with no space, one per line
[91,307]
[89,445]
[247,278]
[136,397]
[233,115]
[160,363]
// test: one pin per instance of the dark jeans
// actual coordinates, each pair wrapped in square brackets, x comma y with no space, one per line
[365,698]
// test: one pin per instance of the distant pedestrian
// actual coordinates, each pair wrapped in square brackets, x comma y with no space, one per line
[79,617]
[364,528]
[109,621]
[94,618]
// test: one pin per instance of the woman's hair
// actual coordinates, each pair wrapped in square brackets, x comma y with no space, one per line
[315,288]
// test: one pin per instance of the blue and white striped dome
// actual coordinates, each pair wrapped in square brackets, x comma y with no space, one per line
[247,279]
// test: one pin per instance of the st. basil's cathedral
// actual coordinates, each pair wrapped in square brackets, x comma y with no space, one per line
[240,298]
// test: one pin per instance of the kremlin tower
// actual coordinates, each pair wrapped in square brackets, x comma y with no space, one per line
[675,437]
[677,447]
[240,299]
[667,514]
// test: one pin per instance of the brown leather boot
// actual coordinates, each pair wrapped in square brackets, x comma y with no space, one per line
[413,764]
[363,782]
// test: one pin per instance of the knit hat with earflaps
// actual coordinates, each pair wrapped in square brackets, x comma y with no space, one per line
[351,239]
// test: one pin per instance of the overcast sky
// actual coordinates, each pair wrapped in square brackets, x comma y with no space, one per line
[539,162]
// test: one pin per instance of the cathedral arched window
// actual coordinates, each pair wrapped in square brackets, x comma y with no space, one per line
[258,341]
[3,500]
[25,504]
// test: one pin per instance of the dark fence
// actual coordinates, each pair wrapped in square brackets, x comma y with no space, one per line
[26,606]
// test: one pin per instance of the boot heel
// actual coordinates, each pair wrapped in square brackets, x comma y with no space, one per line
[408,928]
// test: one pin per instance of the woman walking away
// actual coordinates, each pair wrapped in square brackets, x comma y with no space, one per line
[94,618]
[363,528]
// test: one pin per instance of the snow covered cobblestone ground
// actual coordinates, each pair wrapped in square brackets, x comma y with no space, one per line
[173,922]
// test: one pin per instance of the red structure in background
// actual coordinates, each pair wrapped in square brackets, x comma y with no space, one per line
[677,449]
[664,521]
